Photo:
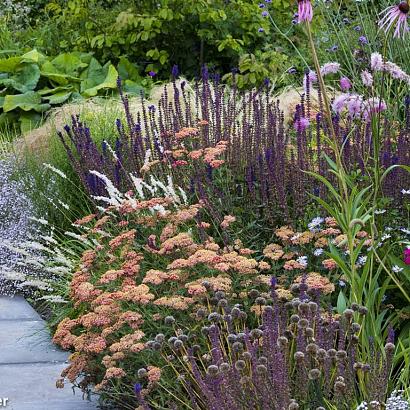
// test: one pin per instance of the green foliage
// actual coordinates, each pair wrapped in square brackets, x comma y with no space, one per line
[32,83]
[218,33]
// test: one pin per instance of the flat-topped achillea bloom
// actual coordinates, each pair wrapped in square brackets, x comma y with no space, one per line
[396,15]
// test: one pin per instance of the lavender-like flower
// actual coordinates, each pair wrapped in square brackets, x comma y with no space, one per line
[345,84]
[396,15]
[305,11]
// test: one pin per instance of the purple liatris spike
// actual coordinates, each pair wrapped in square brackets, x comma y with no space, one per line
[305,11]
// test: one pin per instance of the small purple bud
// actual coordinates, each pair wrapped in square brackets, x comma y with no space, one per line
[265,13]
[175,71]
[262,6]
[152,74]
[261,30]
[137,388]
[363,40]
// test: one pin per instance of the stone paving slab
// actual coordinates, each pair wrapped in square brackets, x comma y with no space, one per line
[16,308]
[30,363]
[27,342]
[32,387]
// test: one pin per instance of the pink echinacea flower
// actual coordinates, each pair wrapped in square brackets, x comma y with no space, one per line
[397,15]
[305,11]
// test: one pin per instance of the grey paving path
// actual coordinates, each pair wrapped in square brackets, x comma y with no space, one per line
[30,364]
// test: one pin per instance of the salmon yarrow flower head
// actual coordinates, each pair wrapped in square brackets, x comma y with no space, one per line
[315,281]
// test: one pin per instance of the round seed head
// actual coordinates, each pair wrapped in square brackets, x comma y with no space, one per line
[159,337]
[253,293]
[219,294]
[313,307]
[282,342]
[246,356]
[261,369]
[332,353]
[303,308]
[363,310]
[389,347]
[212,370]
[355,307]
[183,338]
[263,360]
[142,373]
[299,356]
[356,327]
[341,355]
[309,332]
[303,323]
[223,303]
[312,349]
[169,320]
[260,301]
[293,406]
[294,318]
[201,313]
[348,313]
[224,367]
[240,365]
[178,344]
[237,347]
[314,374]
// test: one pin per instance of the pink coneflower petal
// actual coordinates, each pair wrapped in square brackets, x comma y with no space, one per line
[398,15]
[305,11]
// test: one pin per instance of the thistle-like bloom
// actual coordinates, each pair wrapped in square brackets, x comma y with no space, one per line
[345,84]
[301,124]
[396,15]
[305,11]
[407,256]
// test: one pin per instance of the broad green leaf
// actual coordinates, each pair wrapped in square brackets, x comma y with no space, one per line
[127,70]
[93,75]
[32,56]
[54,74]
[341,303]
[109,82]
[58,98]
[48,91]
[131,87]
[69,63]
[8,65]
[25,78]
[27,101]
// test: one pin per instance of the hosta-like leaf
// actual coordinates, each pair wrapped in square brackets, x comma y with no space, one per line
[69,63]
[8,65]
[25,78]
[58,98]
[109,82]
[54,74]
[27,101]
[93,75]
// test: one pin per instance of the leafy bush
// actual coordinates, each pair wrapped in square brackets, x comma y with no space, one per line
[216,32]
[33,83]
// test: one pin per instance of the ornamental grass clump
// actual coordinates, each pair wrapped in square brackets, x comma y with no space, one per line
[295,355]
